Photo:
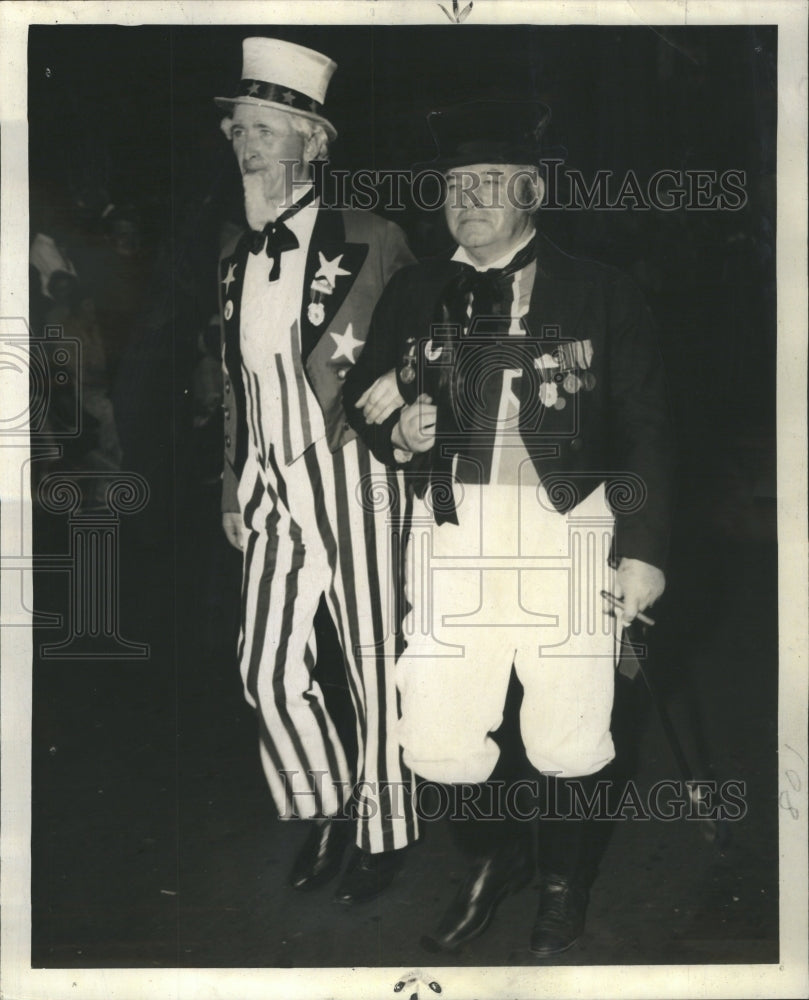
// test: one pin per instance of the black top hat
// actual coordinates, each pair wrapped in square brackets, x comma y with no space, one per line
[488,131]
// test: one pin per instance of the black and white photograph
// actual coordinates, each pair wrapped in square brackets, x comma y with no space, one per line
[404,526]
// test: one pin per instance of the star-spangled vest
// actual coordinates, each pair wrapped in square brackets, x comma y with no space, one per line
[282,410]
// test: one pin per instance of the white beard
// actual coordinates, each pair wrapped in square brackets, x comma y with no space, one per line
[259,211]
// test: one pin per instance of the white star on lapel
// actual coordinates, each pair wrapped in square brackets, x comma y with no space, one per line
[330,269]
[229,278]
[346,343]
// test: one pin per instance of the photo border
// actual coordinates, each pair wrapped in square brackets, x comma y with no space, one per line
[785,979]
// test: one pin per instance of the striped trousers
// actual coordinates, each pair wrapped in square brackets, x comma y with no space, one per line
[325,525]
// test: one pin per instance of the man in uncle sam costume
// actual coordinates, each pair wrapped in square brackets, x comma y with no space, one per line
[302,496]
[523,392]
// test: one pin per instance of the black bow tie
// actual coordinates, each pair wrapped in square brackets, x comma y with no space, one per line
[488,288]
[486,292]
[278,237]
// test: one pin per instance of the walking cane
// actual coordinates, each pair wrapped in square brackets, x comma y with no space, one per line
[633,651]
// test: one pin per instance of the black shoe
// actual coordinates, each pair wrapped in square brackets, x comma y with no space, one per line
[367,875]
[489,881]
[321,855]
[560,917]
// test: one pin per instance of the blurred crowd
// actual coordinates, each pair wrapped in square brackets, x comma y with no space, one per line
[129,292]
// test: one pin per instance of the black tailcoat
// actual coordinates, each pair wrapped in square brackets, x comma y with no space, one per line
[614,428]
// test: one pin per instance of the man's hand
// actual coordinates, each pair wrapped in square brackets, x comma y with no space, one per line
[639,584]
[380,399]
[415,431]
[233,526]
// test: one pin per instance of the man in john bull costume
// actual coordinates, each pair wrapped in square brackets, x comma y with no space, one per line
[522,389]
[301,493]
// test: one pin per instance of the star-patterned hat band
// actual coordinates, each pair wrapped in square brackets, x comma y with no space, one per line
[277,94]
[286,76]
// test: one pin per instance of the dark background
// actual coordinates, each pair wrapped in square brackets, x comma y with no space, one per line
[154,841]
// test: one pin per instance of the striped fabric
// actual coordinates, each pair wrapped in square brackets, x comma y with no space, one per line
[282,391]
[290,559]
[317,523]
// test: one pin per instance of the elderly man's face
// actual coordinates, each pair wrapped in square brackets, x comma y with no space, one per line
[262,139]
[488,208]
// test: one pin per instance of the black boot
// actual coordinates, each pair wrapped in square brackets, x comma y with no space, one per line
[502,861]
[367,875]
[570,849]
[560,917]
[322,853]
[490,879]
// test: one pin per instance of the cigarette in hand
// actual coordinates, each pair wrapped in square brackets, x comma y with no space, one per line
[618,602]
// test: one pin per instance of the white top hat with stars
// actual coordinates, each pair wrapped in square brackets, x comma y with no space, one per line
[286,76]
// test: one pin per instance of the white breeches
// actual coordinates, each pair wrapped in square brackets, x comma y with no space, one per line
[514,583]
